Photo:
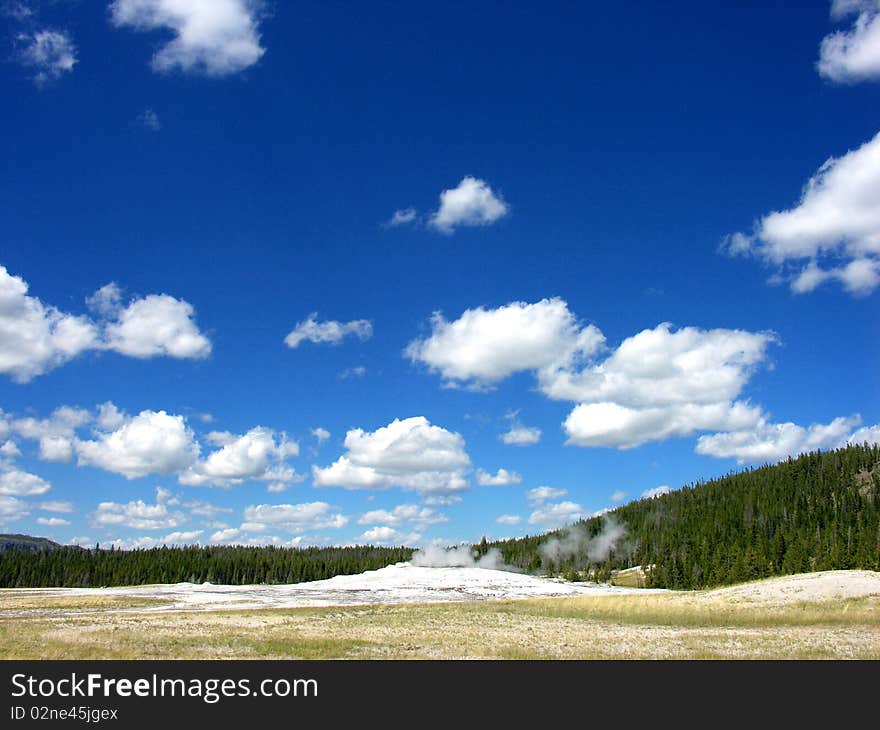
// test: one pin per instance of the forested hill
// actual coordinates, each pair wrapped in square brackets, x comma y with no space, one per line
[235,565]
[816,512]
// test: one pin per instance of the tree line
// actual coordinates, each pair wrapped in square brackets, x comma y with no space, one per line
[232,565]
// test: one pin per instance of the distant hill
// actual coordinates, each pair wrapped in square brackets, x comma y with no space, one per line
[26,543]
[820,511]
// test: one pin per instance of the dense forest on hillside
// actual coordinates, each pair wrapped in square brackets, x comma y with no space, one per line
[820,511]
[75,567]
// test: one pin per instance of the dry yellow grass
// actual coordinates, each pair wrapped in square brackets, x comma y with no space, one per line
[652,626]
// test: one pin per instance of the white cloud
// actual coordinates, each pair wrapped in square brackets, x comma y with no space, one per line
[484,346]
[157,325]
[508,519]
[544,494]
[16,483]
[321,434]
[660,367]
[153,442]
[852,55]
[52,521]
[655,492]
[145,543]
[229,533]
[402,217]
[137,515]
[292,518]
[57,506]
[9,449]
[56,434]
[411,454]
[150,120]
[48,53]
[471,203]
[384,535]
[660,384]
[519,435]
[331,331]
[253,455]
[774,441]
[34,338]
[869,434]
[12,509]
[356,372]
[501,478]
[618,496]
[214,38]
[555,514]
[833,233]
[614,426]
[403,514]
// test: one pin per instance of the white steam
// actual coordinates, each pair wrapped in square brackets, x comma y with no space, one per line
[575,541]
[462,556]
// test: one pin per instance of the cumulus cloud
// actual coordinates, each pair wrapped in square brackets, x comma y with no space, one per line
[774,441]
[36,337]
[852,55]
[484,346]
[615,426]
[402,217]
[519,435]
[508,519]
[215,38]
[146,542]
[501,478]
[49,54]
[833,233]
[157,325]
[618,496]
[471,203]
[12,509]
[544,494]
[403,514]
[661,367]
[153,442]
[385,535]
[554,514]
[56,434]
[410,453]
[137,515]
[320,434]
[17,483]
[52,521]
[330,332]
[258,454]
[655,492]
[866,434]
[292,518]
[57,506]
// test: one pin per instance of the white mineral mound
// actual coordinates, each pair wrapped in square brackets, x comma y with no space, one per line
[400,583]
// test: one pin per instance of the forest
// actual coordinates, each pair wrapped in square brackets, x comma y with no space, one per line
[233,565]
[819,511]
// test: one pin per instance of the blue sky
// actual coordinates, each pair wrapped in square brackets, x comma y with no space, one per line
[642,242]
